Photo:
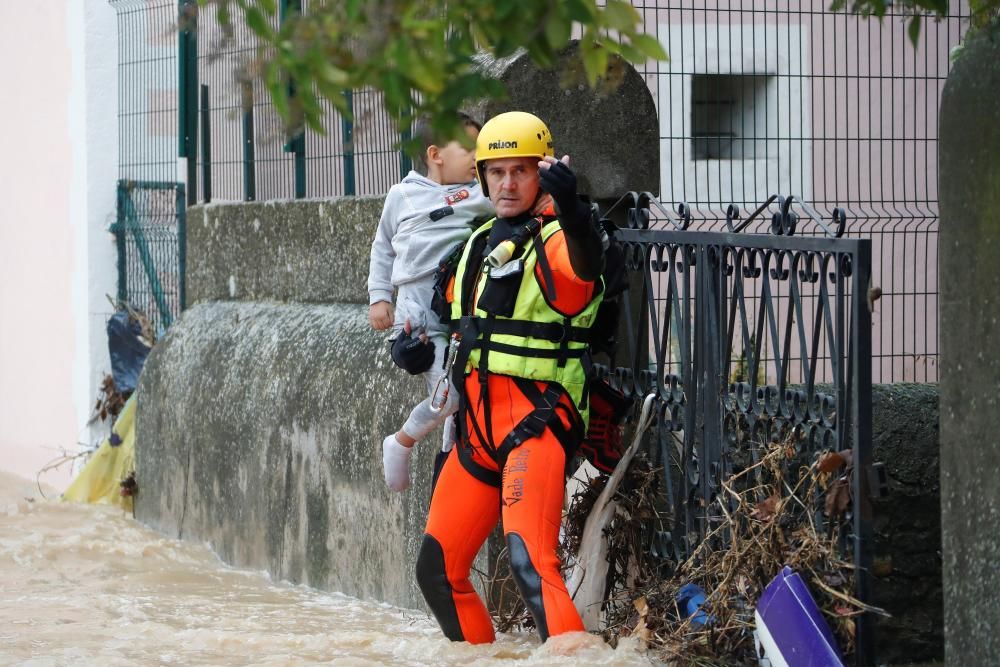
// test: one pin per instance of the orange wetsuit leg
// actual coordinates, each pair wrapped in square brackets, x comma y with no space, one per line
[463,512]
[532,497]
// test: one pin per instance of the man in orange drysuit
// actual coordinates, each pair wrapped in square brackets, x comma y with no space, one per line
[523,311]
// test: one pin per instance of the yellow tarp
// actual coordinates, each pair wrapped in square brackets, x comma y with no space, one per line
[100,479]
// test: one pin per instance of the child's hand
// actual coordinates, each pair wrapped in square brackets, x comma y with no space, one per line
[380,315]
[543,205]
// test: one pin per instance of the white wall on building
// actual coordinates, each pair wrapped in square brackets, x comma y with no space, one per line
[57,176]
[761,68]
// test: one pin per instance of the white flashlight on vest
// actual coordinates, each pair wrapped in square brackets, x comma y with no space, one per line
[501,254]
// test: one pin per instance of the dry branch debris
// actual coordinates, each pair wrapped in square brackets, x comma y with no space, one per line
[778,511]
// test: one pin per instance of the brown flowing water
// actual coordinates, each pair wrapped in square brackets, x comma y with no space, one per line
[88,585]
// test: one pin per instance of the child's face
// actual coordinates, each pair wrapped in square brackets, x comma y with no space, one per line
[458,163]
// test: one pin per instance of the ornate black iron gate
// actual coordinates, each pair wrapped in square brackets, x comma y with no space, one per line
[749,341]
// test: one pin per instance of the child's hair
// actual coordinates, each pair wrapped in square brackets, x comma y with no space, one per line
[424,137]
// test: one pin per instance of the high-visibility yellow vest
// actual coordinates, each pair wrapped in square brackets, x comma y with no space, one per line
[536,342]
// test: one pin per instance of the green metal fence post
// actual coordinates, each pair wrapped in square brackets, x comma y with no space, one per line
[297,144]
[119,231]
[181,247]
[206,147]
[187,70]
[249,168]
[347,132]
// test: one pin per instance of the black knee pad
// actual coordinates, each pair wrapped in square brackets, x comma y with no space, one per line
[433,581]
[528,581]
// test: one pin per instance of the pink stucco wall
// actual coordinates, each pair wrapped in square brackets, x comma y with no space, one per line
[37,412]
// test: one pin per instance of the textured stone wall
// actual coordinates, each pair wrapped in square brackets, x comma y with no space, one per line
[906,571]
[261,413]
[969,268]
[260,426]
[612,134]
[308,251]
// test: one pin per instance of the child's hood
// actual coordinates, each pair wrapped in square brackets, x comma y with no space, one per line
[413,179]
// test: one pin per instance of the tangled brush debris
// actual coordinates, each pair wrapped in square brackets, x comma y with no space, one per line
[110,401]
[780,510]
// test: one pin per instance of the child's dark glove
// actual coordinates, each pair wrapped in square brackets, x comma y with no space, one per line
[560,182]
[412,354]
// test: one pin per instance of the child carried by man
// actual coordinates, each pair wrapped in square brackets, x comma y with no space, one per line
[432,210]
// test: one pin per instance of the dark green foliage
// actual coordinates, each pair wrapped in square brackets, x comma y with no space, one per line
[982,11]
[421,55]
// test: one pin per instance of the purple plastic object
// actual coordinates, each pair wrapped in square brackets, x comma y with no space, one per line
[790,628]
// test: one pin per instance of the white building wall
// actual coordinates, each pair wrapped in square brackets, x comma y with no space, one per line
[773,114]
[96,151]
[57,174]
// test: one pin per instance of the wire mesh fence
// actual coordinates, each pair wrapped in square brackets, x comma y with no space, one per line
[149,231]
[147,89]
[149,221]
[787,97]
[758,98]
[250,155]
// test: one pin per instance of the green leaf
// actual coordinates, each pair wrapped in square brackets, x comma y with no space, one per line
[277,89]
[914,30]
[595,62]
[557,31]
[424,75]
[630,53]
[222,15]
[327,73]
[620,15]
[258,23]
[583,11]
[649,45]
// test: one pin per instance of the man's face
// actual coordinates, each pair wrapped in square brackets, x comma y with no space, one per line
[513,184]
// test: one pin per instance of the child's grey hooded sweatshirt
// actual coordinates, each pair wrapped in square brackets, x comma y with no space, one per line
[421,221]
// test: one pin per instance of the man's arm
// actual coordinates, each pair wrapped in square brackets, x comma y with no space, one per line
[586,252]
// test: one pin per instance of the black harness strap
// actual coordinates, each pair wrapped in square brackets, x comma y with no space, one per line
[468,329]
[551,331]
[464,446]
[543,264]
[532,352]
[569,438]
[564,343]
[484,399]
[484,475]
[487,443]
[533,424]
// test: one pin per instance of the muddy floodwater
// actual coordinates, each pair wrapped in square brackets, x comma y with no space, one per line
[87,585]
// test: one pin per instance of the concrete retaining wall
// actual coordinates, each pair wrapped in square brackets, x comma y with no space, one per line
[260,425]
[307,251]
[261,415]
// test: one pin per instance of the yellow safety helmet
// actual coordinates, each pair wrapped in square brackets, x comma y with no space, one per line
[511,134]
